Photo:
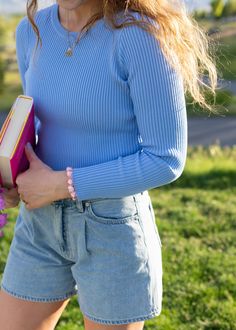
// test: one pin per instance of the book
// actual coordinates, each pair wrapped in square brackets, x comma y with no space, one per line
[17,129]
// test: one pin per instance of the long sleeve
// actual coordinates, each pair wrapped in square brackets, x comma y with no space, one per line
[159,105]
[21,35]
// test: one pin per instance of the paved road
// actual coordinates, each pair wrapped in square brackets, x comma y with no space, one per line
[228,84]
[203,131]
[207,131]
[223,84]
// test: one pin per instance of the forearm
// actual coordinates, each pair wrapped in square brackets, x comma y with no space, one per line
[126,175]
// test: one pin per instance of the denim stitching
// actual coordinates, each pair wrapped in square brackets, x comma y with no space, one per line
[154,223]
[67,295]
[147,247]
[154,312]
[63,231]
[110,221]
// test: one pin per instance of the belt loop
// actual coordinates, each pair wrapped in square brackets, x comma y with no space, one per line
[135,197]
[86,203]
[138,196]
[80,205]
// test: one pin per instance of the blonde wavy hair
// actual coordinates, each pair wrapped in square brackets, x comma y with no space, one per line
[186,46]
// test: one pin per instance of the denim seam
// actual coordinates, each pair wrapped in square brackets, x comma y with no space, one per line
[109,221]
[148,255]
[64,244]
[154,312]
[154,223]
[61,234]
[67,295]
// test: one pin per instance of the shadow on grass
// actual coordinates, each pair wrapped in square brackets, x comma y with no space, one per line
[214,179]
[2,266]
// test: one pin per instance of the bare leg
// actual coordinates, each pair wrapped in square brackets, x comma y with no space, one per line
[90,325]
[19,314]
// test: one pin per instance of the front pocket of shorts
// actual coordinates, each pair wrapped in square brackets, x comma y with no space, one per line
[113,210]
[123,240]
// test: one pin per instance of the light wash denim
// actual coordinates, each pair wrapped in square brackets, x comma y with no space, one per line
[108,251]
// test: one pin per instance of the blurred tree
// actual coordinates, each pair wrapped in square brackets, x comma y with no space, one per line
[217,7]
[229,8]
[199,13]
[1,75]
[1,49]
[2,31]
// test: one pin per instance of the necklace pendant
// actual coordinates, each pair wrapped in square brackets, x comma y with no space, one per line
[69,52]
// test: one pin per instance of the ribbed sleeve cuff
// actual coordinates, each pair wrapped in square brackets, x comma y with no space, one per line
[124,176]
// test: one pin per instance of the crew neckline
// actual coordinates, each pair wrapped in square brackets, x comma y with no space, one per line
[60,28]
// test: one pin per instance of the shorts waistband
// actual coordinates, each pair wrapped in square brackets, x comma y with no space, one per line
[70,202]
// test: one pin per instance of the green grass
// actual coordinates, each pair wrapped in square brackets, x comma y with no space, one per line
[196,218]
[227,57]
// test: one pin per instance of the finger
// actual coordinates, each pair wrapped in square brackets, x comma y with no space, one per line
[9,193]
[11,205]
[30,154]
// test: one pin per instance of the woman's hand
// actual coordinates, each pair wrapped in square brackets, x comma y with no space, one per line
[10,196]
[40,185]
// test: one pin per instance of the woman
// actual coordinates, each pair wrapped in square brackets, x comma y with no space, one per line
[109,97]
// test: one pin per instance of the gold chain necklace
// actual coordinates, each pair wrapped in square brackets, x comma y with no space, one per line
[70,49]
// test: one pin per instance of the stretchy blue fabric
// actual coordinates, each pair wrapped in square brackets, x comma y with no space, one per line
[115,111]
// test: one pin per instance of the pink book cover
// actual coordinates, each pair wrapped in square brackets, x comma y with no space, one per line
[18,160]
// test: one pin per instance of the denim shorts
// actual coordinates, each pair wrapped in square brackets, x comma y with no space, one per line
[107,251]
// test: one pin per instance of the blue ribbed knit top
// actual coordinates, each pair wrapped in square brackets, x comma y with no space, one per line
[115,111]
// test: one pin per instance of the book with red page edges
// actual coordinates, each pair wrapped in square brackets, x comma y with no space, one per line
[17,129]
